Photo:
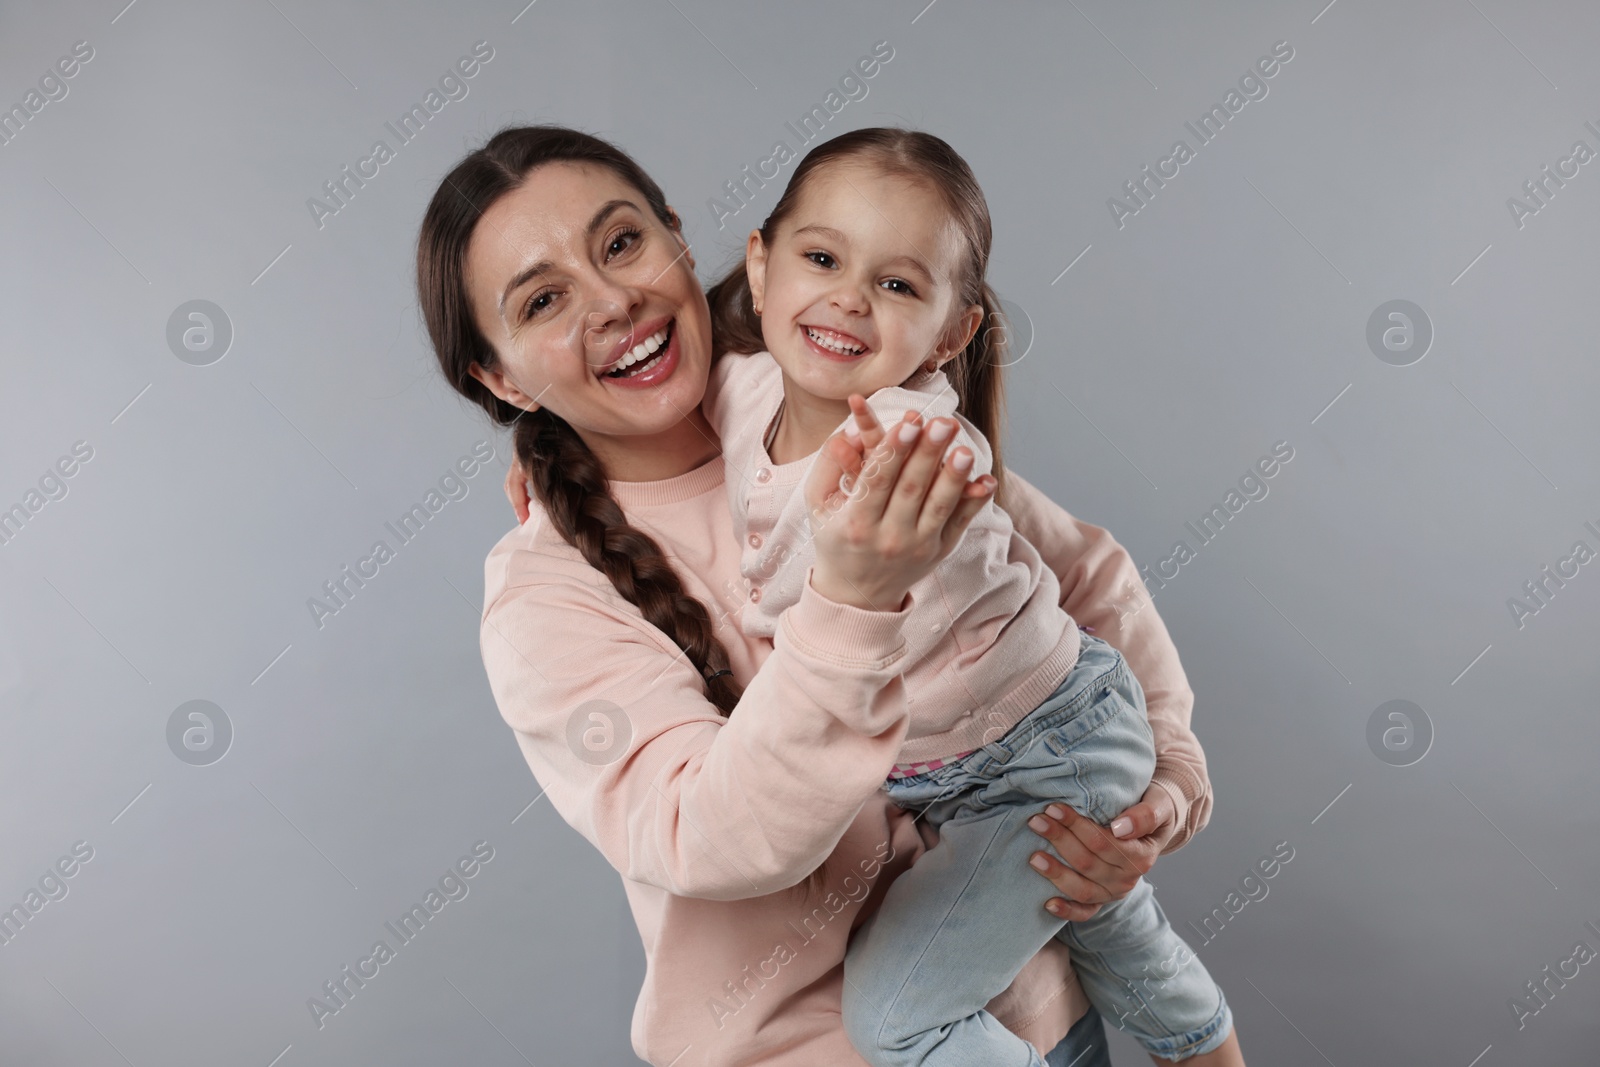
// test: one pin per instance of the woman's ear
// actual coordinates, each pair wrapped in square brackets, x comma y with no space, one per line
[755,268]
[960,334]
[501,386]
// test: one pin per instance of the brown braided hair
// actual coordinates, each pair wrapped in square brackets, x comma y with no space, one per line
[568,479]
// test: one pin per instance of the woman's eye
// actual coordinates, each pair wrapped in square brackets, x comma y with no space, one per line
[821,259]
[621,243]
[538,302]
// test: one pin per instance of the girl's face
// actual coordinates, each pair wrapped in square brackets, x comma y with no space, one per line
[592,306]
[858,287]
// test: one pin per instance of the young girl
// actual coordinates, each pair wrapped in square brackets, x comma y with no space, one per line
[867,280]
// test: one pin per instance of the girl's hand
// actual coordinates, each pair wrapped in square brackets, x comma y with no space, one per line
[884,517]
[1099,867]
[517,489]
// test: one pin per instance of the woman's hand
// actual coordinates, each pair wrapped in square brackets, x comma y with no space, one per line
[886,508]
[517,489]
[1099,866]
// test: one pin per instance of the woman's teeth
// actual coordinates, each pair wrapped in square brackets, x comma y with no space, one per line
[831,341]
[637,361]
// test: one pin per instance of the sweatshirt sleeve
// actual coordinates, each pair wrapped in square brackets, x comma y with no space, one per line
[613,720]
[1101,589]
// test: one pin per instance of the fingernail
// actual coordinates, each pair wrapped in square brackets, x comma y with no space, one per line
[1121,827]
[1054,908]
[939,430]
[1039,863]
[1039,825]
[1056,811]
[851,430]
[961,461]
[908,432]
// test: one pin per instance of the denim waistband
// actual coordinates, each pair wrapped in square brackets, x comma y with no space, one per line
[1099,667]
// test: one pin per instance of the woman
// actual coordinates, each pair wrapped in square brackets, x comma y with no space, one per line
[560,296]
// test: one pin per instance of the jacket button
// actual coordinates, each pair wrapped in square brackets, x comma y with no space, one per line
[755,540]
[755,594]
[763,475]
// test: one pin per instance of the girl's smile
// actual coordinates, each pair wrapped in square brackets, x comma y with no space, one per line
[857,291]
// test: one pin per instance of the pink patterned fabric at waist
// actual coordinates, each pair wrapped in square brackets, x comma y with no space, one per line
[907,770]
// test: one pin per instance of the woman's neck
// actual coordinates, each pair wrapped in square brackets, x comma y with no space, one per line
[655,457]
[805,423]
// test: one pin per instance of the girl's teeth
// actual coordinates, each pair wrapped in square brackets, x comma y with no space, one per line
[836,346]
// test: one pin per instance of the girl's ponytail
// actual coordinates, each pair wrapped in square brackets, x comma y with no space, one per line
[978,377]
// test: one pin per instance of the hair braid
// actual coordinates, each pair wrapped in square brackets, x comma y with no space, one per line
[569,481]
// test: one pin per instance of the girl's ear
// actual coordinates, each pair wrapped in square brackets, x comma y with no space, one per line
[755,268]
[960,334]
[501,386]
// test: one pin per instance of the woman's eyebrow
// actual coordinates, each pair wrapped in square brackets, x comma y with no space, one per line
[543,265]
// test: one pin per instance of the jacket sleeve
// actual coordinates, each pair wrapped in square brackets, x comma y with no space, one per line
[1101,589]
[613,720]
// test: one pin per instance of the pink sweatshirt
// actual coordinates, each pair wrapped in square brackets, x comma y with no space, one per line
[710,821]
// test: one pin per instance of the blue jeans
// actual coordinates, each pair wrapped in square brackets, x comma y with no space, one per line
[955,929]
[1084,1046]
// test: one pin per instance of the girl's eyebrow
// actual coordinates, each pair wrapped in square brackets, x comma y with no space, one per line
[824,231]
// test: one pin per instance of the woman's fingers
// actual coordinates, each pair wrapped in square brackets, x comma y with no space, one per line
[517,491]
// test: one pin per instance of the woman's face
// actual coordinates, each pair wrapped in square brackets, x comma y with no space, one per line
[592,306]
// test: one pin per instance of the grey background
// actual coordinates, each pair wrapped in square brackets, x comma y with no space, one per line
[1228,315]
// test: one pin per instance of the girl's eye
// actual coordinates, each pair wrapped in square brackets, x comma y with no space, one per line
[821,259]
[621,242]
[904,287]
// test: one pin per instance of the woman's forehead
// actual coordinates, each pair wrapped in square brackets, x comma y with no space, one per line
[554,205]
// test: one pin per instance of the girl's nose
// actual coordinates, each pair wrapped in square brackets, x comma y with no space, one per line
[847,296]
